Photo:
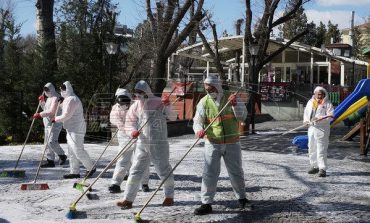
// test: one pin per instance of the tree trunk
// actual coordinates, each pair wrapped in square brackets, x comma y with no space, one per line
[238,25]
[46,37]
[159,72]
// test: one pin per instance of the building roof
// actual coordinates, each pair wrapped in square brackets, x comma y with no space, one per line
[364,26]
[366,51]
[231,43]
[338,45]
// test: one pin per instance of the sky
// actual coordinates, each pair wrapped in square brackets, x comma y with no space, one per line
[225,12]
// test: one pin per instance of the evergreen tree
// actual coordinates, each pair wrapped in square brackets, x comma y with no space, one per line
[332,33]
[83,28]
[297,24]
[356,44]
[320,35]
[311,37]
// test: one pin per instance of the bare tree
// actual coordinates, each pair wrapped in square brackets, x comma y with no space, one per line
[46,36]
[214,53]
[261,36]
[264,28]
[164,25]
[238,25]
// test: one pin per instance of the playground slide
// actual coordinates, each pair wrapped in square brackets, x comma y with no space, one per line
[357,100]
[355,117]
[353,108]
[362,89]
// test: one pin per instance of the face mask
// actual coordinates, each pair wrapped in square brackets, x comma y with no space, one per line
[48,94]
[213,95]
[123,107]
[63,93]
[139,96]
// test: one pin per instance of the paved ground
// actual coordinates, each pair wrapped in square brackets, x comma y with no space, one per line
[276,183]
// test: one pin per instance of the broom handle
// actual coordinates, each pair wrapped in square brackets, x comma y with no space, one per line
[304,125]
[107,147]
[28,134]
[123,150]
[296,128]
[46,145]
[182,158]
[96,162]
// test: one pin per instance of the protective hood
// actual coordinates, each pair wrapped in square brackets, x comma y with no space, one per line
[319,88]
[215,82]
[69,89]
[122,91]
[52,92]
[143,86]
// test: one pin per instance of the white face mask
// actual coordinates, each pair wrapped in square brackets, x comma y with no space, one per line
[63,93]
[123,107]
[48,94]
[213,95]
[139,96]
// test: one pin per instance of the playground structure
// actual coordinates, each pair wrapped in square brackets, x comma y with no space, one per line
[355,108]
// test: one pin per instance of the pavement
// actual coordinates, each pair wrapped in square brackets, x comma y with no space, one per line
[277,184]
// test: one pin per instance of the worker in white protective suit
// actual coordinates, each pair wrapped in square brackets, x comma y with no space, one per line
[152,144]
[318,114]
[123,164]
[221,140]
[74,123]
[50,108]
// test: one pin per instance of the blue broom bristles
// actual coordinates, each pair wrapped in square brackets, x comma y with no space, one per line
[72,213]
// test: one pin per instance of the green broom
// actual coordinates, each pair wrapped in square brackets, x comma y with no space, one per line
[71,214]
[80,185]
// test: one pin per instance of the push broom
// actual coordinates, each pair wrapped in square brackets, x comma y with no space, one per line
[305,125]
[137,216]
[79,185]
[72,213]
[14,172]
[34,185]
[72,208]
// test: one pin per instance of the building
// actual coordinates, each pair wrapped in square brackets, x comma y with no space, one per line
[364,30]
[290,77]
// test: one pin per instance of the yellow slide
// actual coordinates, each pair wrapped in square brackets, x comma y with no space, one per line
[353,108]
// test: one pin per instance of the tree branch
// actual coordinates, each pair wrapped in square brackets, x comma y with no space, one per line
[198,16]
[133,70]
[170,10]
[288,15]
[281,49]
[175,23]
[153,25]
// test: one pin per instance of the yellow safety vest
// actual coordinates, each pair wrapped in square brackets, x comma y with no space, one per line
[225,129]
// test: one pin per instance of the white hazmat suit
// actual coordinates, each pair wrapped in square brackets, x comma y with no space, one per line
[123,164]
[49,109]
[319,132]
[152,145]
[74,122]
